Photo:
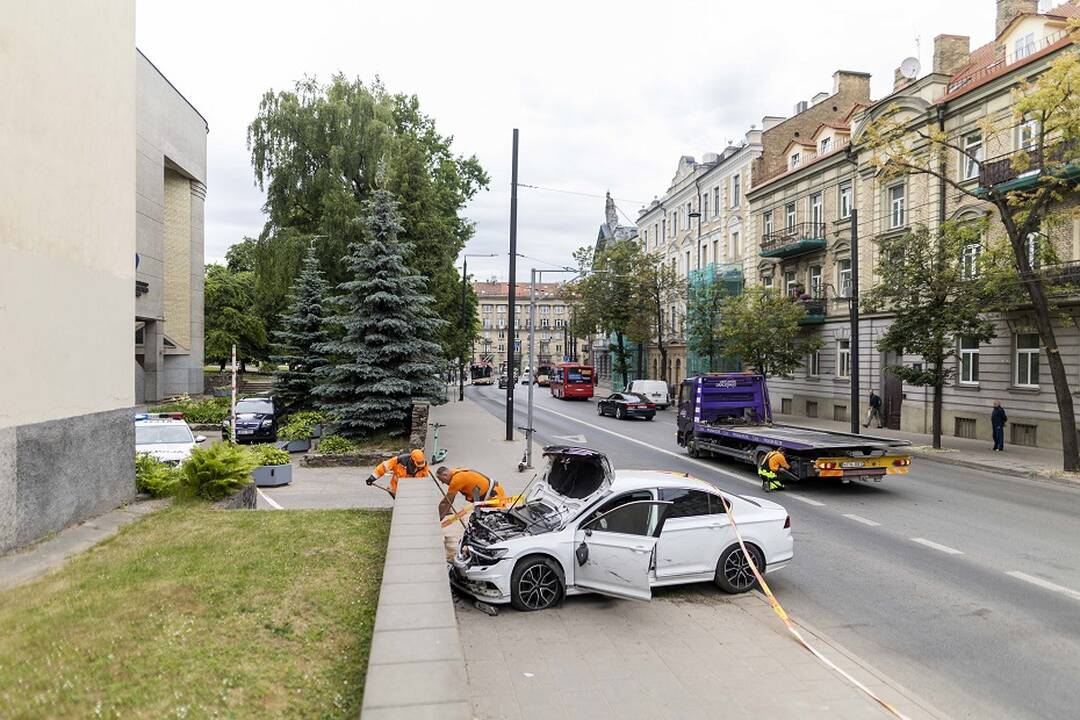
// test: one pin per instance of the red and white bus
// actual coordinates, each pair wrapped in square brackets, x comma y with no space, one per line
[572,380]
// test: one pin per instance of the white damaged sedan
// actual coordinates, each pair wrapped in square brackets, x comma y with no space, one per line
[584,528]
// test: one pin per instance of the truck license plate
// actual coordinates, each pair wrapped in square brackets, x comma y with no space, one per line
[852,464]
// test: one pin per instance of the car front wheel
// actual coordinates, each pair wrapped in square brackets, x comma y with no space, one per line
[733,572]
[536,584]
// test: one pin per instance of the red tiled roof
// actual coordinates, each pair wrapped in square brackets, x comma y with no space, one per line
[502,289]
[798,168]
[1065,10]
[834,126]
[980,57]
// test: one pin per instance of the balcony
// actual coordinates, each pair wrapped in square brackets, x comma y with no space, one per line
[816,309]
[729,274]
[796,240]
[1021,169]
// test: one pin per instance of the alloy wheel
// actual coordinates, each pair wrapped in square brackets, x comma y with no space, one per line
[737,570]
[538,587]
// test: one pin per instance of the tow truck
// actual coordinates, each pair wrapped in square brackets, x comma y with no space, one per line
[729,414]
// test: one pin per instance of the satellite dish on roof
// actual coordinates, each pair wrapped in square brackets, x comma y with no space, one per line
[910,67]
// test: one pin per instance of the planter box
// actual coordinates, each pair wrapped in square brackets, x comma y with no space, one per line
[295,446]
[363,458]
[272,475]
[316,431]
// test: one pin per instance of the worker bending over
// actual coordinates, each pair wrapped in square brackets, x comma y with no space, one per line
[773,465]
[471,485]
[407,465]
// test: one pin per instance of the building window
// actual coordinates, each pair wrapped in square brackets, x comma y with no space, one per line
[716,251]
[969,261]
[486,309]
[544,309]
[675,223]
[845,200]
[972,156]
[793,161]
[816,210]
[1027,359]
[791,284]
[789,216]
[736,191]
[815,282]
[1027,135]
[705,207]
[843,358]
[1023,46]
[655,236]
[767,282]
[502,334]
[843,277]
[813,364]
[716,198]
[501,309]
[559,309]
[969,361]
[663,226]
[734,245]
[897,206]
[767,222]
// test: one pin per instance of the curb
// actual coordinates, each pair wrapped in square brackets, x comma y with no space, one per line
[958,459]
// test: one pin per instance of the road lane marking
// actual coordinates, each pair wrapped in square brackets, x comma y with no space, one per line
[937,546]
[1044,584]
[269,500]
[579,439]
[803,498]
[861,519]
[680,456]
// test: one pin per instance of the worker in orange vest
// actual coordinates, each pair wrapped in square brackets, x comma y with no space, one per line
[407,465]
[772,467]
[471,485]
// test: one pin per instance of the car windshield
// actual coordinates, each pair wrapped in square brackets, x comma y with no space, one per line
[255,406]
[162,434]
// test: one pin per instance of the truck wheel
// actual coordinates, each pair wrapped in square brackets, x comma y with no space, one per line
[536,584]
[691,449]
[733,573]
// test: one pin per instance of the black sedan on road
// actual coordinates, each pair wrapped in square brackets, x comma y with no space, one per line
[626,405]
[256,420]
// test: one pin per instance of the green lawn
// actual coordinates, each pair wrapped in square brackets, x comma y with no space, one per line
[193,612]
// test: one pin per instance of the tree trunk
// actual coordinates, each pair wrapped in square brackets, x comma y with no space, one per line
[622,359]
[641,360]
[936,417]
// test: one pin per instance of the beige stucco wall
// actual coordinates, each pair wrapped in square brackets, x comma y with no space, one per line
[67,219]
[177,240]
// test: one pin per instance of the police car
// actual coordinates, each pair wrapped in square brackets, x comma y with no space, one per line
[165,436]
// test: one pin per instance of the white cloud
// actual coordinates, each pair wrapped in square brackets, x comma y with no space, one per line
[608,95]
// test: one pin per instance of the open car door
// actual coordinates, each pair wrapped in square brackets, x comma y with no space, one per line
[613,552]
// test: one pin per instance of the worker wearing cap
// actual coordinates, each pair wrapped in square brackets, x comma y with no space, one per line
[407,465]
[772,465]
[471,485]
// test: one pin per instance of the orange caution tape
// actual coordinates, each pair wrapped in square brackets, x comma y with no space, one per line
[779,610]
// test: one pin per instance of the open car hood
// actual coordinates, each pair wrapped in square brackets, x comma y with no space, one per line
[573,477]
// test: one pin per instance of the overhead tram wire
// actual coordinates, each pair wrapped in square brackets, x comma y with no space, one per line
[577,192]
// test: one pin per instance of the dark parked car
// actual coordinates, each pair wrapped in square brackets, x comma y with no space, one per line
[256,420]
[503,380]
[625,405]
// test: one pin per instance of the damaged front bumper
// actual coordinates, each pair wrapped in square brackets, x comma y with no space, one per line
[490,583]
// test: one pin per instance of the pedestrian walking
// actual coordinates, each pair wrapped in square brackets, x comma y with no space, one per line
[998,418]
[875,409]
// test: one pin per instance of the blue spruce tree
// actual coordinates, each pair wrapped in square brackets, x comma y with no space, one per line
[387,352]
[299,343]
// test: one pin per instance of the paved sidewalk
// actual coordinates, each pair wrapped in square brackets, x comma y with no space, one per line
[693,652]
[1016,460]
[25,565]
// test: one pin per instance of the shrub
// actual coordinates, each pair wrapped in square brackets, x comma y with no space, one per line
[217,471]
[300,425]
[335,445]
[207,411]
[270,455]
[154,477]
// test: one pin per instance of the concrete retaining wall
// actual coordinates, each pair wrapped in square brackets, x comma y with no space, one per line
[60,472]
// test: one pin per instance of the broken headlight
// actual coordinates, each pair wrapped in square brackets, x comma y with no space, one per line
[486,556]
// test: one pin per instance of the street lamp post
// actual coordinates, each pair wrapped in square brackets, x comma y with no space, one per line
[464,282]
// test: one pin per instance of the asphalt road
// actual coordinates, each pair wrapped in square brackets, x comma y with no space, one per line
[962,585]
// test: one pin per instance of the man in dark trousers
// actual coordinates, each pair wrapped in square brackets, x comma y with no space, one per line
[875,409]
[998,418]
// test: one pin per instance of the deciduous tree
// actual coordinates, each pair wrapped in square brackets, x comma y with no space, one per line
[230,318]
[761,327]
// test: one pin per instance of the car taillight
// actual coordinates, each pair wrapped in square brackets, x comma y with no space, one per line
[900,463]
[787,523]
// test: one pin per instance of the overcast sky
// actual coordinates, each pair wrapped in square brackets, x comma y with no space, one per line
[607,95]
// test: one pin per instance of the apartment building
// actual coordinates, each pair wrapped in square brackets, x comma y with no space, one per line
[700,227]
[170,174]
[67,146]
[497,339]
[966,92]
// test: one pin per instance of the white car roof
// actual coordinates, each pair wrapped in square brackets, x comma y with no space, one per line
[630,480]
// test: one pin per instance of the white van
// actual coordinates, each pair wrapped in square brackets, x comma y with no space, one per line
[655,390]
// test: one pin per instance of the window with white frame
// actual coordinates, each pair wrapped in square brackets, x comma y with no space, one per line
[487,309]
[813,364]
[815,281]
[824,145]
[767,281]
[969,361]
[734,245]
[736,191]
[793,161]
[1027,359]
[791,283]
[558,322]
[1027,135]
[843,358]
[716,250]
[704,207]
[766,222]
[655,236]
[501,309]
[897,206]
[663,225]
[816,210]
[716,198]
[845,200]
[843,277]
[972,155]
[545,309]
[969,261]
[675,223]
[1023,46]
[789,216]
[560,309]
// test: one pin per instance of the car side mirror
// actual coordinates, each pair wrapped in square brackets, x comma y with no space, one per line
[582,552]
[200,438]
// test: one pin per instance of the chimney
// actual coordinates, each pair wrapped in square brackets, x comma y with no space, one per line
[899,80]
[854,85]
[800,107]
[1007,10]
[951,52]
[770,121]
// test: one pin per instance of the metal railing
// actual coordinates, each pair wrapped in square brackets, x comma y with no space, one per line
[791,235]
[1005,168]
[1002,64]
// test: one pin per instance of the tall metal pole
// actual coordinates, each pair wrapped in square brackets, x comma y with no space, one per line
[513,288]
[461,359]
[854,342]
[532,365]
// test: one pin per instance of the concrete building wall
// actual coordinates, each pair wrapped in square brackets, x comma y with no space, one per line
[67,249]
